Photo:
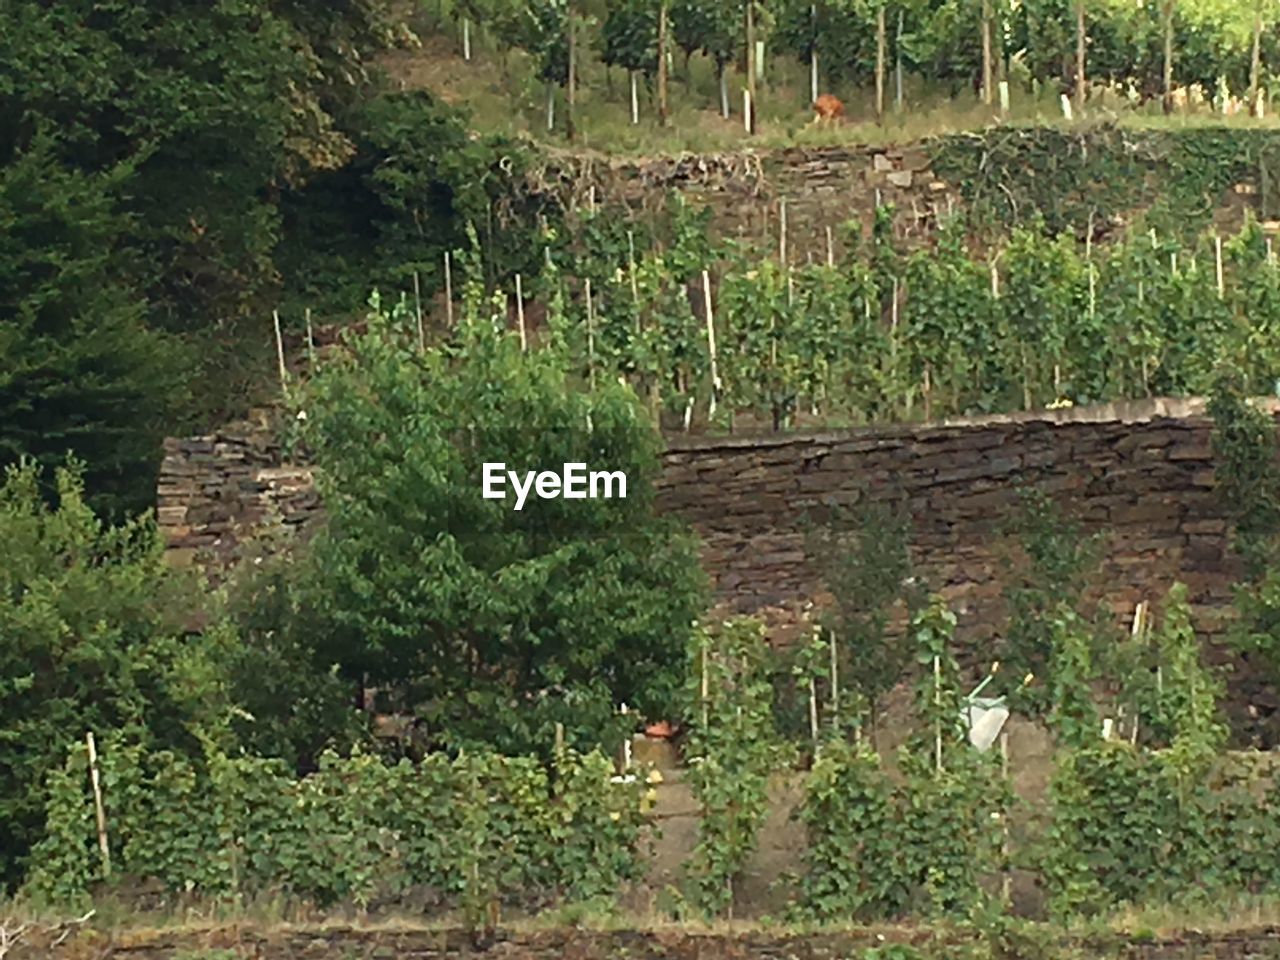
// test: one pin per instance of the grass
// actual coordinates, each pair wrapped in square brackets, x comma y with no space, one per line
[503,97]
[282,915]
[1218,916]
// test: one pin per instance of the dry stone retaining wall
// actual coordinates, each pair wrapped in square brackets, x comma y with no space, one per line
[1141,473]
[822,187]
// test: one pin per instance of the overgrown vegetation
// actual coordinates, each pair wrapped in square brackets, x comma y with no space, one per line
[487,620]
[473,831]
[883,334]
[732,754]
[172,175]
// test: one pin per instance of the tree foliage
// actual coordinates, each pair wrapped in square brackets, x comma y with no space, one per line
[91,639]
[80,370]
[490,619]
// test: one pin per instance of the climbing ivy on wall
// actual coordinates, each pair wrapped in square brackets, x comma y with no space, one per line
[1010,175]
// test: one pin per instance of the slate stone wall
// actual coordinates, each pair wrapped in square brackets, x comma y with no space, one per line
[1141,474]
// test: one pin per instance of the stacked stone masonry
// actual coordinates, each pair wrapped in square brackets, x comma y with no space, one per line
[1141,474]
[822,188]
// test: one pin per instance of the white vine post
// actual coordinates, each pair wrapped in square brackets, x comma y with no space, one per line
[835,687]
[937,720]
[1004,840]
[813,709]
[591,338]
[711,341]
[1139,630]
[893,334]
[284,374]
[466,39]
[524,341]
[831,248]
[813,56]
[417,309]
[448,290]
[626,744]
[635,99]
[311,342]
[1217,252]
[706,686]
[746,110]
[103,847]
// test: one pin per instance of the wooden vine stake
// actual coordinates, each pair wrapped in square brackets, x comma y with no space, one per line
[813,56]
[782,231]
[835,687]
[631,268]
[1004,839]
[711,341]
[524,340]
[706,687]
[99,809]
[937,720]
[311,342]
[626,744]
[448,290]
[417,309]
[284,374]
[813,709]
[1217,253]
[591,337]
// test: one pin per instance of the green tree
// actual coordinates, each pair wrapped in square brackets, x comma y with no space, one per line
[288,705]
[865,562]
[715,29]
[494,623]
[204,112]
[1050,623]
[417,179]
[91,639]
[79,369]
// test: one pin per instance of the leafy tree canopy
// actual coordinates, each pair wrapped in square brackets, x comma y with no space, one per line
[79,368]
[494,623]
[91,639]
